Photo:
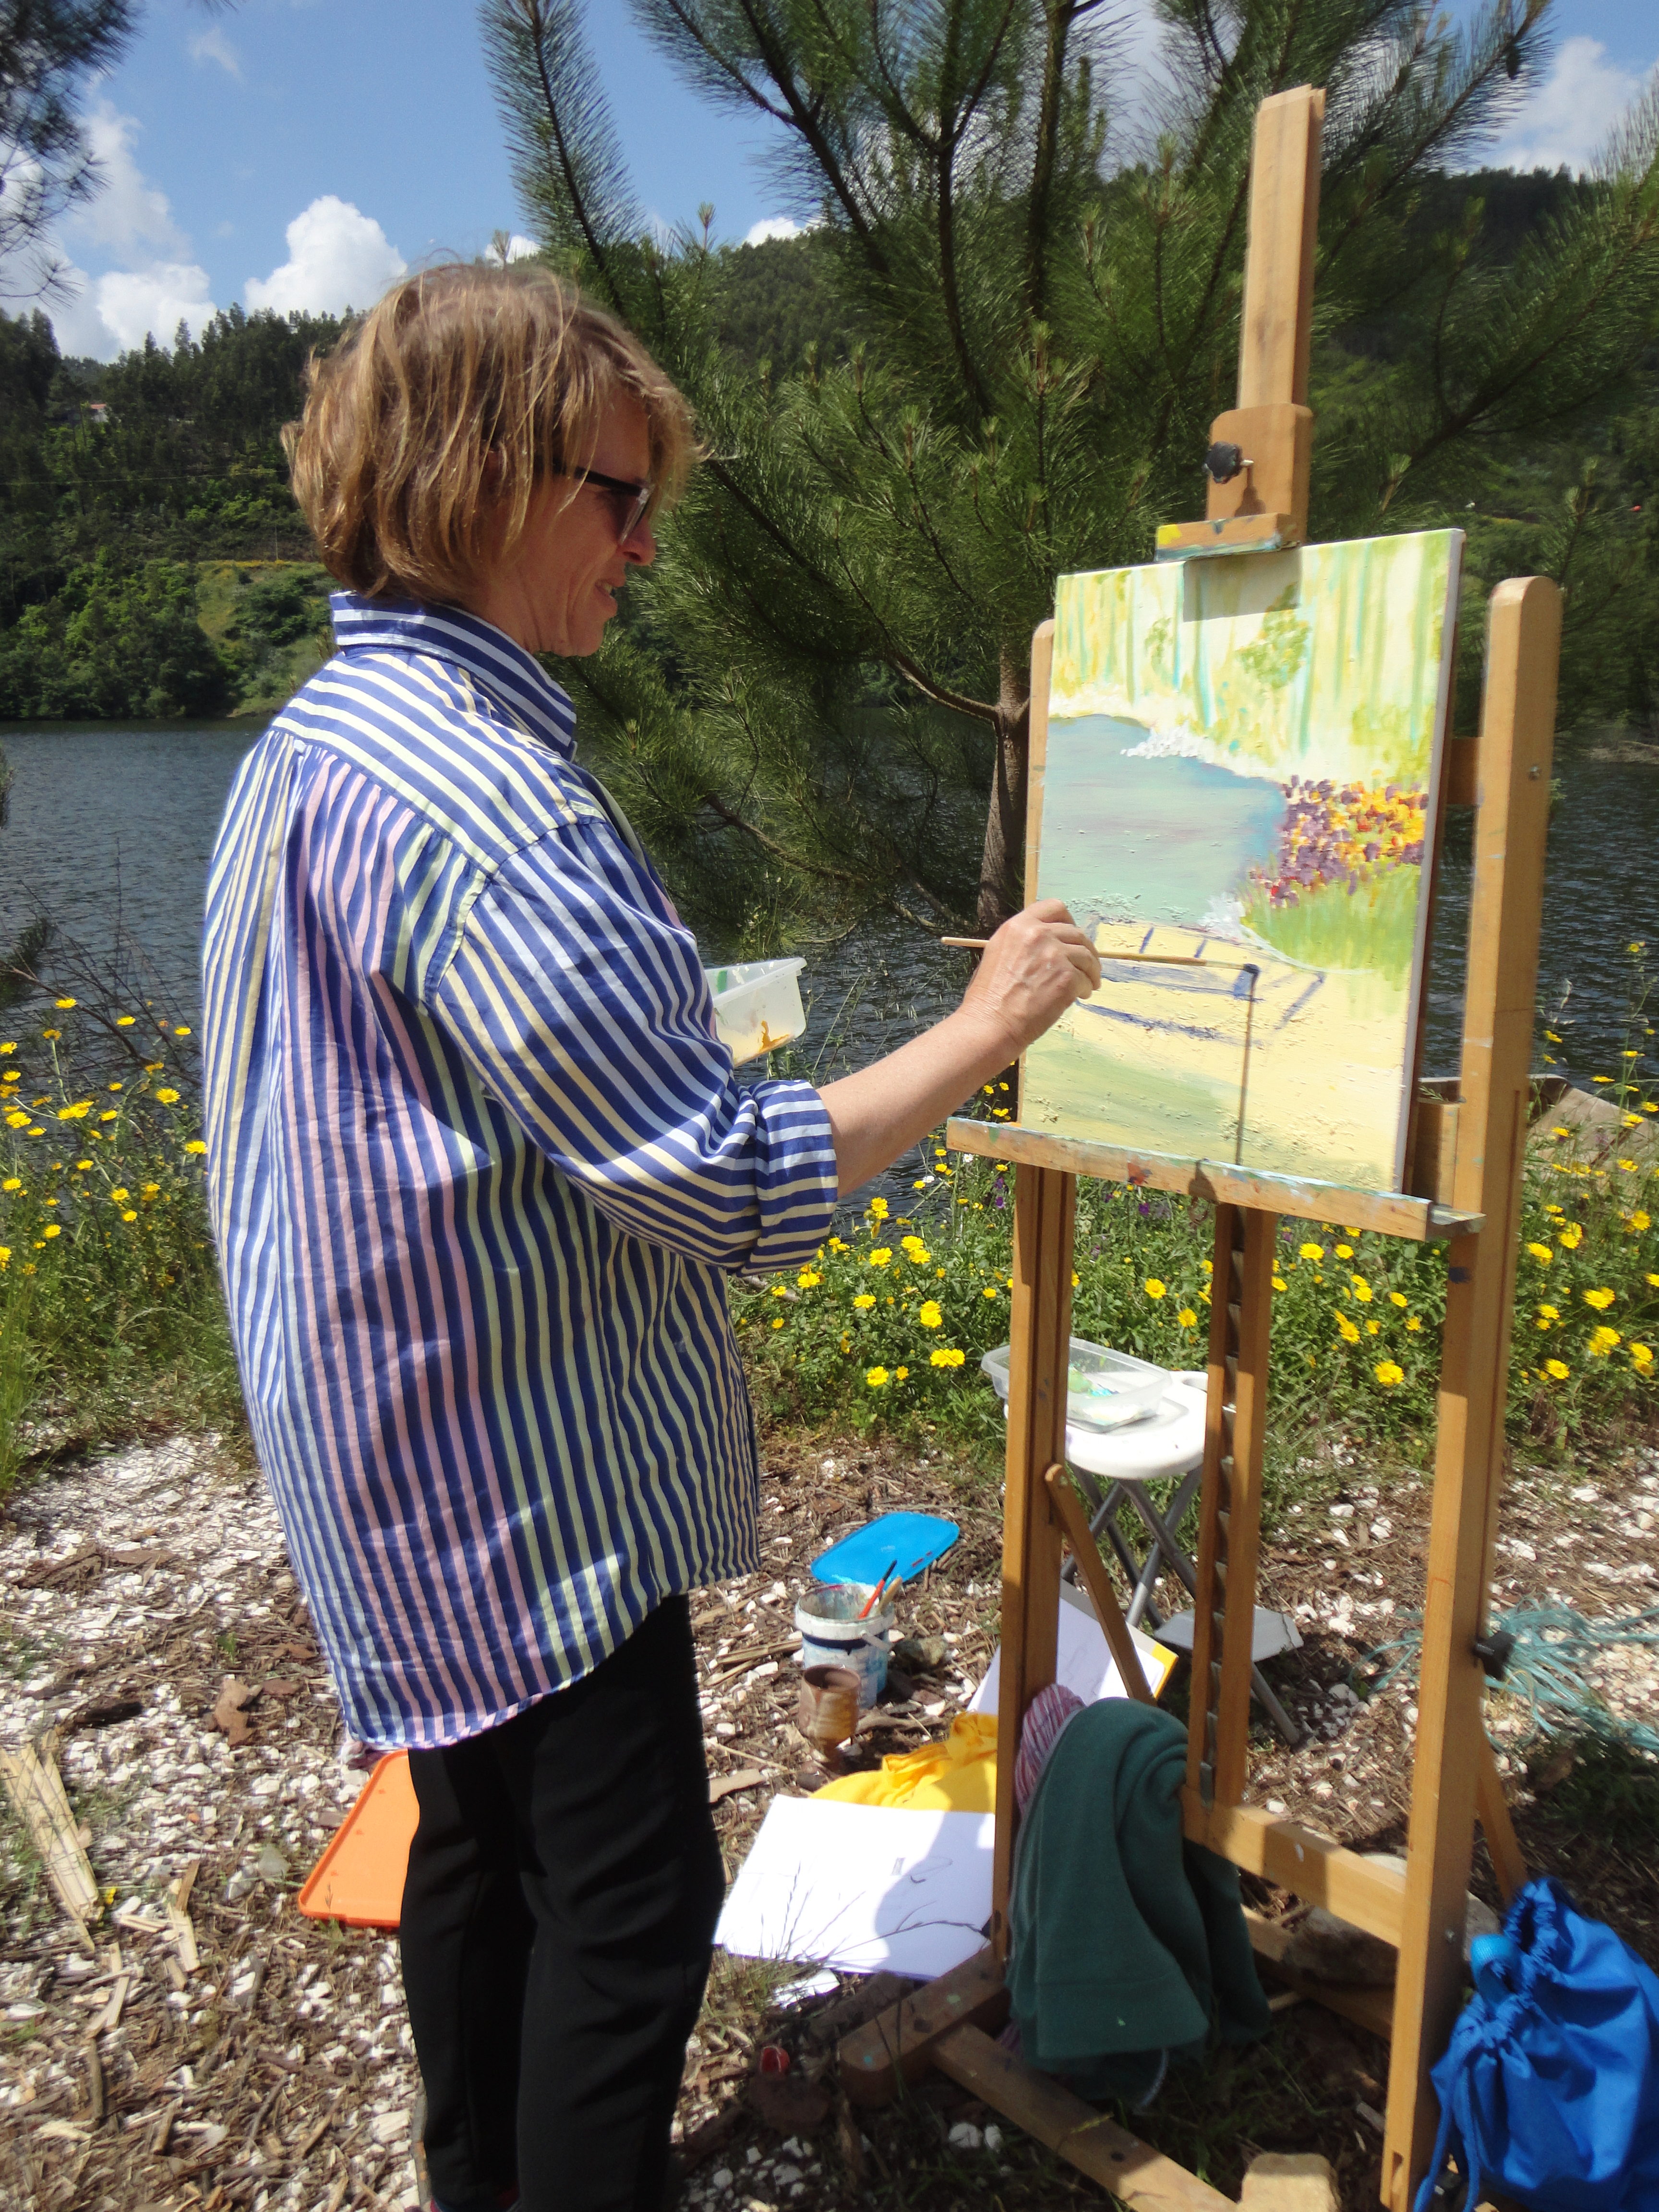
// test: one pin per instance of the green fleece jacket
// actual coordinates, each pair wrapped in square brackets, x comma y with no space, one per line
[1129,1947]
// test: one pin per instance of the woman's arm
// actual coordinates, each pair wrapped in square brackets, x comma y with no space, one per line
[1036,965]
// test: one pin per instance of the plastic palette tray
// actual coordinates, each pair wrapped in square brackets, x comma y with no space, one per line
[359,1877]
[916,1539]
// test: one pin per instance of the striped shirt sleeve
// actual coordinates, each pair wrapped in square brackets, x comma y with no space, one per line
[585,1013]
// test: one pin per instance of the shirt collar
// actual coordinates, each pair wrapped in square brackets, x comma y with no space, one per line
[505,670]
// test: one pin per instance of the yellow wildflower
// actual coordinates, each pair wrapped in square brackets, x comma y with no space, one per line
[1388,1372]
[1396,1297]
[882,1256]
[1346,1330]
[196,1145]
[778,1323]
[78,1112]
[808,1280]
[876,1378]
[1549,1313]
[1280,1283]
[168,1098]
[1541,1252]
[1601,1299]
[1571,1236]
[1310,1252]
[878,1209]
[1344,1251]
[1414,1324]
[5,1255]
[900,1374]
[119,1193]
[1361,1289]
[1638,1221]
[864,1301]
[1187,1317]
[989,1291]
[52,1229]
[1154,1288]
[52,1033]
[1641,1356]
[125,1021]
[1557,1369]
[930,1316]
[947,1356]
[1603,1340]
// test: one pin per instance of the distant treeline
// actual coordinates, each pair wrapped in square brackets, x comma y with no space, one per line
[152,561]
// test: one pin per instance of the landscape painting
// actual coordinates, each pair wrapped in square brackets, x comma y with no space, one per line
[1238,802]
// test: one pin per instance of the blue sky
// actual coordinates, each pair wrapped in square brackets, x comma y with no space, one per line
[300,153]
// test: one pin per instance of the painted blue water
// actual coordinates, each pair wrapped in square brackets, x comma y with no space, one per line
[1160,840]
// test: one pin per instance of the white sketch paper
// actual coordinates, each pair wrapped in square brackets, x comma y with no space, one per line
[862,1887]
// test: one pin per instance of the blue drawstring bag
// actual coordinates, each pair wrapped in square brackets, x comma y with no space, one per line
[1549,2087]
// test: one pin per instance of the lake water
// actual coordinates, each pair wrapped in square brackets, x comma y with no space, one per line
[111,823]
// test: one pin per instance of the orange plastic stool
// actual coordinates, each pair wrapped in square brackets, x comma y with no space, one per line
[359,1877]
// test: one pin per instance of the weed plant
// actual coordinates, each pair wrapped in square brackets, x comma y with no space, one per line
[888,1322]
[111,1323]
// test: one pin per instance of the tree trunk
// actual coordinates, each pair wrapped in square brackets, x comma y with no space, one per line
[1002,870]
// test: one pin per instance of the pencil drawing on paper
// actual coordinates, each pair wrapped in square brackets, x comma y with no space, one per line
[1239,787]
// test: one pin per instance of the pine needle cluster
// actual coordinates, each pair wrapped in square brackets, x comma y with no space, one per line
[819,704]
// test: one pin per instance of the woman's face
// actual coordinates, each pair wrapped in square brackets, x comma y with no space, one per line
[556,591]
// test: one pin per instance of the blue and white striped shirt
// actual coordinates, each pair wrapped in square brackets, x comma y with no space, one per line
[477,1163]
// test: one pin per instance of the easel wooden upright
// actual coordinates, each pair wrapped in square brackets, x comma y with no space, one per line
[1467,1155]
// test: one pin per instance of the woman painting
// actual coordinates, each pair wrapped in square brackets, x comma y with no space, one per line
[478,1170]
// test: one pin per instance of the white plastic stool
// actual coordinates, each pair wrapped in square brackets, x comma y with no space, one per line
[1167,1445]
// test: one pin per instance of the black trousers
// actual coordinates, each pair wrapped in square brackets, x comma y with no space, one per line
[558,1921]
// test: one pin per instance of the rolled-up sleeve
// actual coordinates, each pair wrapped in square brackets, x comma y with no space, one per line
[584,1010]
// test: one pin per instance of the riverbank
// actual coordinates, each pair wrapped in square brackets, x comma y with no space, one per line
[274,2071]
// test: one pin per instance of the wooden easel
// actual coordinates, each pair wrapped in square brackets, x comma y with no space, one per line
[1466,1158]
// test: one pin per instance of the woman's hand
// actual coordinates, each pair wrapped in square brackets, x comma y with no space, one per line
[1036,965]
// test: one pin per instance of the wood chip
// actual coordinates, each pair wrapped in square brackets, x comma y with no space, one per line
[96,2105]
[36,1788]
[178,1921]
[110,2016]
[728,1785]
[158,2135]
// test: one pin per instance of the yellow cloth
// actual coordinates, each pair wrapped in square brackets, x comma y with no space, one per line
[958,1775]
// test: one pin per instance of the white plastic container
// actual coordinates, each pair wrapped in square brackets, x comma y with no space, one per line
[757,1006]
[1105,1389]
[832,1634]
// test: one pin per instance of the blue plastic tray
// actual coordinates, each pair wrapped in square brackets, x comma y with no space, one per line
[916,1539]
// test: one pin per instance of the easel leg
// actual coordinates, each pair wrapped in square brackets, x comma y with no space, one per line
[1517,725]
[1045,1214]
[1241,1323]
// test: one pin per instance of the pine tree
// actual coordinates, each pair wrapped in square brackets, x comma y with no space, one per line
[828,668]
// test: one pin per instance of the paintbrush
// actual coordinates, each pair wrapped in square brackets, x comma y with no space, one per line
[1157,959]
[874,1598]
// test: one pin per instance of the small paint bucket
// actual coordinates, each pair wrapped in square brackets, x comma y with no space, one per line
[832,1634]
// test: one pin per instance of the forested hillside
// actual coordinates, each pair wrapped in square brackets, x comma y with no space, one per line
[152,563]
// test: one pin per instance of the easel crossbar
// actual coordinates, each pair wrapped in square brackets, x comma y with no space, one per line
[1391,1214]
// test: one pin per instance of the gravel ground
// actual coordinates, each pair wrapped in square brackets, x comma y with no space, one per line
[276,2071]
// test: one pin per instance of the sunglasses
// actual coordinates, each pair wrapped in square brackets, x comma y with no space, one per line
[632,502]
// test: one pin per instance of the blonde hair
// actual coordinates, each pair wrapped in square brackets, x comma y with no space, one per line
[428,428]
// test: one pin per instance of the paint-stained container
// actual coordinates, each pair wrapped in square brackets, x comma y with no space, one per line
[757,1006]
[832,1634]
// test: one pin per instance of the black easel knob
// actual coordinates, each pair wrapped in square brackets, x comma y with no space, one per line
[1223,462]
[1494,1653]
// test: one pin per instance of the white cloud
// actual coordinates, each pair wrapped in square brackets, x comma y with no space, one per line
[212,45]
[126,211]
[1573,113]
[156,300]
[518,247]
[110,315]
[771,226]
[337,258]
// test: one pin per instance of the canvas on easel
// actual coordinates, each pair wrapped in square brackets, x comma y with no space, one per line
[1238,796]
